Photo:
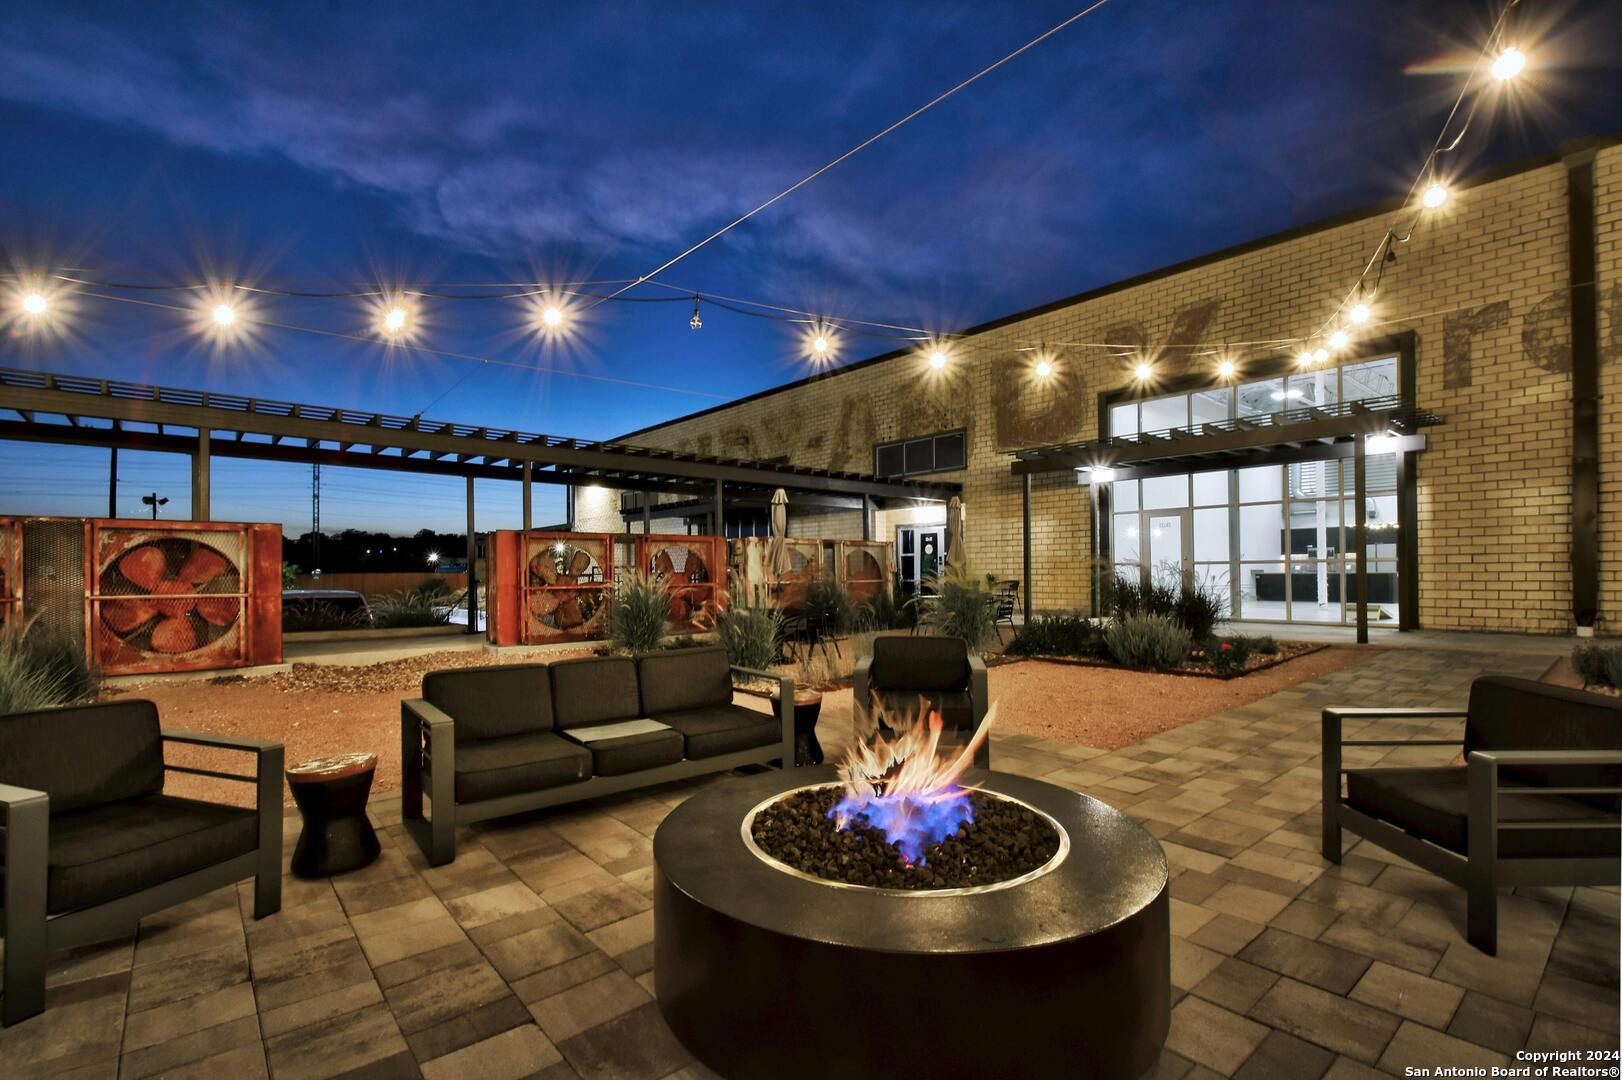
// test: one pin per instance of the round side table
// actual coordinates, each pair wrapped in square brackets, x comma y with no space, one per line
[331,796]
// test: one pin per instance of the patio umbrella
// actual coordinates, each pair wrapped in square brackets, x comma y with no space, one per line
[778,561]
[954,534]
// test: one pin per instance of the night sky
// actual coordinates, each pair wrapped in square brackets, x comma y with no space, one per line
[351,146]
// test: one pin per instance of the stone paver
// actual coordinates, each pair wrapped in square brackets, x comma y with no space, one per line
[532,954]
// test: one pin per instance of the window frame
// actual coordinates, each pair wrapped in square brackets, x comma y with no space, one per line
[932,439]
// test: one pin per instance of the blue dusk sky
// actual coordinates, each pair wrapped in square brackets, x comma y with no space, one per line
[350,146]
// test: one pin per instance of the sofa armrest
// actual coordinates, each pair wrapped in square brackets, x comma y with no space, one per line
[267,768]
[224,742]
[979,687]
[422,722]
[1483,825]
[785,705]
[427,716]
[861,684]
[26,814]
[1332,726]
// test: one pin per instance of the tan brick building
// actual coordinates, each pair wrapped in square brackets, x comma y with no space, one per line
[1480,321]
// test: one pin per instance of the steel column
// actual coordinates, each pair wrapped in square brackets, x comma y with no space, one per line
[647,513]
[112,482]
[720,519]
[527,480]
[1027,527]
[1585,466]
[200,477]
[1360,535]
[867,517]
[472,570]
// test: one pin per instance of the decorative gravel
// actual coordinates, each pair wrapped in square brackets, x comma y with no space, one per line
[1004,841]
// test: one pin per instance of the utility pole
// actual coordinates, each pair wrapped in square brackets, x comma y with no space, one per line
[315,518]
[154,502]
[112,483]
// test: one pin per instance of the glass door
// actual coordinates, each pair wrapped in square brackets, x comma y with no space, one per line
[920,551]
[1169,559]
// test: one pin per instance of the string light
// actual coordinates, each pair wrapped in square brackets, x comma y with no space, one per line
[937,359]
[1434,196]
[224,315]
[1227,369]
[394,322]
[1339,340]
[1320,356]
[696,322]
[1144,371]
[1044,369]
[1510,63]
[1359,313]
[552,316]
[1304,358]
[35,305]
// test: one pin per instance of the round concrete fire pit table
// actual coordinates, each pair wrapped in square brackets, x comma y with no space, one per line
[766,972]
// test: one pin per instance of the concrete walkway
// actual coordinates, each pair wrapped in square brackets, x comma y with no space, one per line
[532,955]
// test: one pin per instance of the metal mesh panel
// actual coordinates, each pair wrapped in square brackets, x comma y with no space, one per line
[691,569]
[565,587]
[168,599]
[53,578]
[10,569]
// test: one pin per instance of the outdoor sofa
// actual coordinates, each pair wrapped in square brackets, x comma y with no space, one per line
[92,844]
[906,674]
[1536,802]
[487,742]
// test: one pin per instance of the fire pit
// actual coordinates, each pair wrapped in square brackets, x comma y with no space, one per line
[1057,964]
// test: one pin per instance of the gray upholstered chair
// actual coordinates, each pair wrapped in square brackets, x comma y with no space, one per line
[942,673]
[92,844]
[1536,802]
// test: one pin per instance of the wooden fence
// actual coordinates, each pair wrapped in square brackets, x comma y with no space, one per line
[377,584]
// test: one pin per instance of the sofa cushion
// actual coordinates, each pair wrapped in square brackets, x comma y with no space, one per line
[594,689]
[630,753]
[84,755]
[919,663]
[723,729]
[492,702]
[490,768]
[1519,714]
[102,852]
[1434,804]
[676,680]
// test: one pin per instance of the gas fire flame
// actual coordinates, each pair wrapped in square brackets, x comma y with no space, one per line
[905,788]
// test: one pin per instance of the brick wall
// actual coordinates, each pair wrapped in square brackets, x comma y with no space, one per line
[1483,286]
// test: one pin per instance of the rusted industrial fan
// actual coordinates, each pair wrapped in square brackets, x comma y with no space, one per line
[167,595]
[683,569]
[551,571]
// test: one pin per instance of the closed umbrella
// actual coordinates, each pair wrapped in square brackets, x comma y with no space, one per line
[954,534]
[778,561]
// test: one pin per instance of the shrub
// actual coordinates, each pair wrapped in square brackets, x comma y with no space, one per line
[1196,606]
[1058,635]
[1229,655]
[1148,641]
[825,669]
[961,608]
[886,612]
[320,615]
[827,605]
[290,574]
[1266,645]
[392,611]
[1598,665]
[637,611]
[433,587]
[39,669]
[750,631]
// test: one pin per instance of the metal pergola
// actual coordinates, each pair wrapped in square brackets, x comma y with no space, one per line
[77,410]
[1310,433]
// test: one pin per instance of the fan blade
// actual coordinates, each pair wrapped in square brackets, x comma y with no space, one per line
[174,634]
[203,565]
[217,612]
[144,566]
[123,616]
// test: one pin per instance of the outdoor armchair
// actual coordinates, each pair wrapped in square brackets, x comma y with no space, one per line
[1536,802]
[907,673]
[92,844]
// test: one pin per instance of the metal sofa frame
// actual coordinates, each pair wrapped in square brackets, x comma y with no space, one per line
[1480,873]
[435,833]
[32,935]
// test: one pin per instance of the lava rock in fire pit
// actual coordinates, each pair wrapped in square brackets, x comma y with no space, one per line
[1004,841]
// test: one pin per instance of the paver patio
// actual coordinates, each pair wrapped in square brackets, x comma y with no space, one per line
[531,954]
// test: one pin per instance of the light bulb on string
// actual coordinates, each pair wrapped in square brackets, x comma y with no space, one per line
[1435,195]
[1044,368]
[1144,371]
[1359,313]
[1339,340]
[1227,369]
[696,322]
[1508,64]
[224,315]
[552,316]
[1304,358]
[394,322]
[937,358]
[35,305]
[1320,356]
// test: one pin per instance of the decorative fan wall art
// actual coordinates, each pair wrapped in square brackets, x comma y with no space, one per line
[565,587]
[691,567]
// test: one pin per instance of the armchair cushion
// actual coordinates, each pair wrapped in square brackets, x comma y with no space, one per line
[100,853]
[84,755]
[1519,714]
[632,753]
[723,729]
[491,768]
[593,690]
[676,680]
[919,663]
[493,702]
[1434,804]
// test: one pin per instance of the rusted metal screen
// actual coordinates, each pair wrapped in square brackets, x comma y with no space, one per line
[565,583]
[11,570]
[866,569]
[694,567]
[169,598]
